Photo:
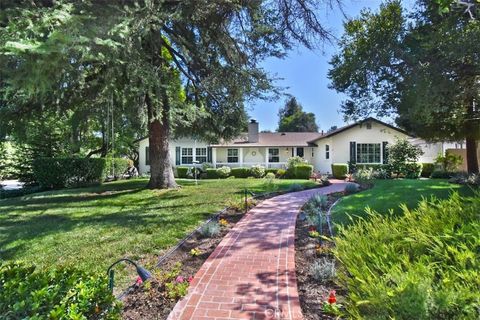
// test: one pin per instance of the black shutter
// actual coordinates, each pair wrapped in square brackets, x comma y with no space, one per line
[209,154]
[147,156]
[353,152]
[385,152]
[177,156]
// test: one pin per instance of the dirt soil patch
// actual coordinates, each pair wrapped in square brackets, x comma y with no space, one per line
[307,250]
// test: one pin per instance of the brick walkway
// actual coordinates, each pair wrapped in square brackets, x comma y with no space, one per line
[251,274]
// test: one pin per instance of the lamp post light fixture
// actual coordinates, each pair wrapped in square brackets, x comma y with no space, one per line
[143,273]
[195,163]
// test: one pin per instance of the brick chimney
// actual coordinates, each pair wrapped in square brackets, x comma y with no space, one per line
[253,131]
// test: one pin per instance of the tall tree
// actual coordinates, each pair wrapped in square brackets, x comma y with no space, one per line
[132,51]
[294,119]
[422,67]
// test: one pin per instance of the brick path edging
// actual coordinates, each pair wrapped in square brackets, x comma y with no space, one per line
[251,273]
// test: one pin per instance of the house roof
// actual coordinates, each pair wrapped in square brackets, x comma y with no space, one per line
[275,139]
[369,119]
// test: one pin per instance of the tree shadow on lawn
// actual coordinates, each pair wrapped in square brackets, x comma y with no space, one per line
[27,228]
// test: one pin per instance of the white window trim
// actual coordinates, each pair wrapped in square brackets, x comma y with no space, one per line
[374,143]
[276,156]
[237,156]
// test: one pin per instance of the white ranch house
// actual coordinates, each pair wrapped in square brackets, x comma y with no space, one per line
[364,142]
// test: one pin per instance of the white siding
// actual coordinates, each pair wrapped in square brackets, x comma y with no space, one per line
[183,143]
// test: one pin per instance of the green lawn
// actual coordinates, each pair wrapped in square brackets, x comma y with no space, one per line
[92,227]
[390,194]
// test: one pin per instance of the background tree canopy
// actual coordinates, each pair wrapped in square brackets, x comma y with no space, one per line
[170,68]
[422,68]
[294,119]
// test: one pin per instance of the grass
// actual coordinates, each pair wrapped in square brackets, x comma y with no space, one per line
[390,194]
[93,227]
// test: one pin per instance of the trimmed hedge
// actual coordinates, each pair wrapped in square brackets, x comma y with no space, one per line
[272,170]
[212,173]
[303,171]
[240,172]
[427,169]
[339,170]
[64,293]
[223,172]
[421,265]
[182,172]
[51,173]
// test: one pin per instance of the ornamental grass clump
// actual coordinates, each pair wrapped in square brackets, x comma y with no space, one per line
[323,270]
[422,265]
[210,229]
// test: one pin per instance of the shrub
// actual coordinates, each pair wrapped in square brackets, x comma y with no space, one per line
[51,173]
[364,176]
[210,229]
[323,270]
[272,170]
[441,174]
[427,169]
[281,173]
[422,265]
[351,188]
[270,176]
[295,187]
[240,172]
[339,170]
[291,163]
[223,172]
[206,166]
[449,162]
[212,173]
[303,171]
[257,171]
[116,167]
[412,170]
[182,172]
[402,158]
[63,293]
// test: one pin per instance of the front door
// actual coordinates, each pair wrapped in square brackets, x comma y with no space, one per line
[300,152]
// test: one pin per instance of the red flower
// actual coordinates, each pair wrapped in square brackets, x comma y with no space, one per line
[190,279]
[332,298]
[139,280]
[311,228]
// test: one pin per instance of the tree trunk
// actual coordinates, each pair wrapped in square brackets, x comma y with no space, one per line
[161,171]
[472,131]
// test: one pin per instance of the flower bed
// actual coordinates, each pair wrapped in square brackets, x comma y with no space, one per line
[320,297]
[157,297]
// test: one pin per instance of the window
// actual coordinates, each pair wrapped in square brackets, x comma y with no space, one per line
[368,152]
[232,155]
[313,152]
[187,155]
[300,152]
[273,155]
[201,155]
[147,156]
[327,151]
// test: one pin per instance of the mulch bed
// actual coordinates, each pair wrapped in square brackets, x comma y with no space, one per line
[312,293]
[150,301]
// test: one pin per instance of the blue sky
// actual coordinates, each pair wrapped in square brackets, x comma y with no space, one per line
[304,74]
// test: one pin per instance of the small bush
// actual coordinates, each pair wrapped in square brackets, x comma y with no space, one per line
[210,229]
[318,201]
[351,188]
[427,169]
[421,265]
[295,187]
[223,172]
[270,176]
[303,171]
[240,172]
[449,163]
[53,173]
[281,173]
[323,270]
[182,172]
[63,293]
[291,163]
[272,170]
[257,171]
[339,170]
[364,176]
[440,174]
[412,170]
[212,173]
